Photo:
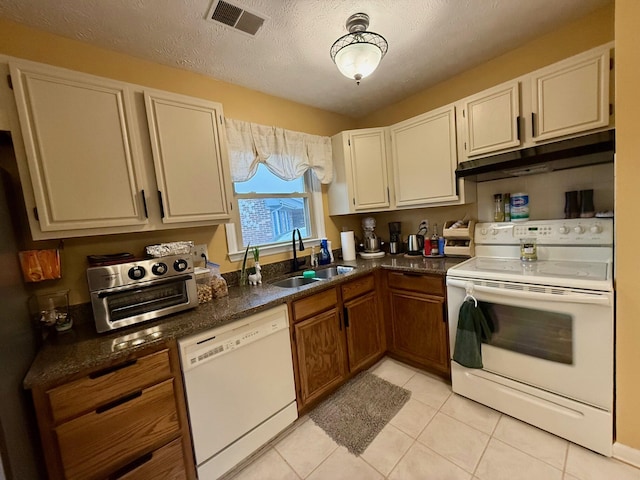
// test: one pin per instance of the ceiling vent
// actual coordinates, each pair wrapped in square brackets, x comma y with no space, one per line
[235,17]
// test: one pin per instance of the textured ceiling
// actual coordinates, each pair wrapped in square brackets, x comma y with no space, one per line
[429,40]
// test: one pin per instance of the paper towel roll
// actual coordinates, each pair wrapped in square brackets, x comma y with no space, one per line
[348,245]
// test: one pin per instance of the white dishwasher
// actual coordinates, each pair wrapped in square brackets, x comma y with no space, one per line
[240,391]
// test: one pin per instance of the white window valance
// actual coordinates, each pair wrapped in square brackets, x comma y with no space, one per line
[287,154]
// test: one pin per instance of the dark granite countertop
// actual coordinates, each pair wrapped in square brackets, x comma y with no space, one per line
[81,348]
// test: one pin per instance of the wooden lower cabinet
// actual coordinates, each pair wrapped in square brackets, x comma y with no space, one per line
[362,319]
[335,334]
[125,420]
[417,327]
[320,347]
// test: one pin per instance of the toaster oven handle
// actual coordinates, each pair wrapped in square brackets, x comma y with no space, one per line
[572,297]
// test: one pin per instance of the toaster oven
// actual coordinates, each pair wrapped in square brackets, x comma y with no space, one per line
[134,292]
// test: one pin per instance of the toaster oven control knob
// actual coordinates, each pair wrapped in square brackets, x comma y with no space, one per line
[564,230]
[579,229]
[596,229]
[180,265]
[159,269]
[136,273]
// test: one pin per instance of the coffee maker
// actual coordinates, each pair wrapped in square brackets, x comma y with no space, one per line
[395,238]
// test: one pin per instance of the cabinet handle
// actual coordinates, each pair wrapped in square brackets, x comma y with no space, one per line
[533,124]
[144,204]
[408,274]
[161,204]
[108,370]
[345,312]
[138,462]
[120,401]
[518,122]
[35,214]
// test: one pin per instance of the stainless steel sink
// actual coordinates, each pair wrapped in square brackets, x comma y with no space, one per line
[295,282]
[331,272]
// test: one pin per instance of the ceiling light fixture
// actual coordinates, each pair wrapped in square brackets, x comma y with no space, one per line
[358,53]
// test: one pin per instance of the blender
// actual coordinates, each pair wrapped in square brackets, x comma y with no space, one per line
[395,238]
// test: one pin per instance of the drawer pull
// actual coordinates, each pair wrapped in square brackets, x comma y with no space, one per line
[119,401]
[408,274]
[138,462]
[115,368]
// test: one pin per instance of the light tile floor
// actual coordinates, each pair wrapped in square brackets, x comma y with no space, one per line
[437,435]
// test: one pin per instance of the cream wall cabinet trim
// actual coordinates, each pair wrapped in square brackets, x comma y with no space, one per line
[491,119]
[361,176]
[187,140]
[571,96]
[81,147]
[424,159]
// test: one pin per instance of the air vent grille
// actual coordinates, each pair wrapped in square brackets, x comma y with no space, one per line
[236,17]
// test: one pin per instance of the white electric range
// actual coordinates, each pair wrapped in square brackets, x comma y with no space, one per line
[550,359]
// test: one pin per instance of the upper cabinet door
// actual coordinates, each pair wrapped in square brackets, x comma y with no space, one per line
[189,154]
[82,152]
[571,96]
[369,175]
[492,119]
[424,158]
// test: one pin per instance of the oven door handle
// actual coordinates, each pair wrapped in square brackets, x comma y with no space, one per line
[588,298]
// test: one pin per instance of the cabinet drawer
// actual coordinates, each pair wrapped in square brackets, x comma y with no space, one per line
[166,463]
[112,436]
[314,304]
[108,384]
[416,282]
[357,287]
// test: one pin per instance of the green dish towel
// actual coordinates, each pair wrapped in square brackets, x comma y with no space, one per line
[472,329]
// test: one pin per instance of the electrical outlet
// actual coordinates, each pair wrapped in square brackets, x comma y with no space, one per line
[200,254]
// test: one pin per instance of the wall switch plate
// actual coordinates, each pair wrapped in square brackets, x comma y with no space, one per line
[200,254]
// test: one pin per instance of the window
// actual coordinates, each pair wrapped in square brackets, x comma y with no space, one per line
[276,176]
[271,208]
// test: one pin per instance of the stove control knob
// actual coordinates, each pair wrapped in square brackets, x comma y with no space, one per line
[596,229]
[136,273]
[494,231]
[180,265]
[564,230]
[484,231]
[159,269]
[579,229]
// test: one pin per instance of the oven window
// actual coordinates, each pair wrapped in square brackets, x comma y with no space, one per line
[537,333]
[147,299]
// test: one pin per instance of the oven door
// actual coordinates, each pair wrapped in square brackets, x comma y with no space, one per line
[555,339]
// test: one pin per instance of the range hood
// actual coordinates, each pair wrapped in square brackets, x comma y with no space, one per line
[582,151]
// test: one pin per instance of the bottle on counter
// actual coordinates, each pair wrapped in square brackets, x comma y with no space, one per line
[324,258]
[498,209]
[434,240]
[507,207]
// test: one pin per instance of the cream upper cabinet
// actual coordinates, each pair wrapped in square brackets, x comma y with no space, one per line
[188,144]
[491,120]
[571,96]
[424,159]
[361,180]
[81,147]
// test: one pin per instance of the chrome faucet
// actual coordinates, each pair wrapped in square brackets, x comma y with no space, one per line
[296,264]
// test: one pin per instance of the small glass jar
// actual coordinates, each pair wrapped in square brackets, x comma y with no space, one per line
[528,250]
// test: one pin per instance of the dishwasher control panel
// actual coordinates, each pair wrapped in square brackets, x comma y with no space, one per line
[203,347]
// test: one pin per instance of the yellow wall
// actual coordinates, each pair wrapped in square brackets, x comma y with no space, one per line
[588,32]
[238,102]
[627,19]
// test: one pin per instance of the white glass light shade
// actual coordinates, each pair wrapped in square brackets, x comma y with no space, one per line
[358,60]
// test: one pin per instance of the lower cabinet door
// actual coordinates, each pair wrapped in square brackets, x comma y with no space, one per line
[320,346]
[419,329]
[362,317]
[112,436]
